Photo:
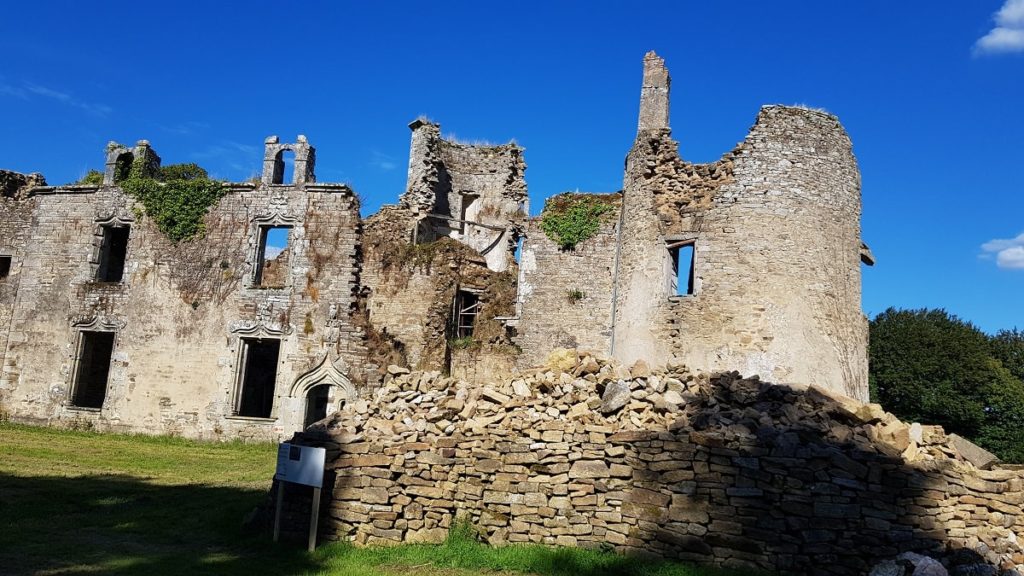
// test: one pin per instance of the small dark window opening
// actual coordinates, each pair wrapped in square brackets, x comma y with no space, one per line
[284,166]
[259,373]
[5,267]
[467,210]
[316,404]
[272,267]
[123,166]
[94,352]
[682,268]
[113,251]
[467,306]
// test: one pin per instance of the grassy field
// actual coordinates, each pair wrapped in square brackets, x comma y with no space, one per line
[86,503]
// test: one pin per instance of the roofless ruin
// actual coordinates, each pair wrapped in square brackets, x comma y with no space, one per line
[284,303]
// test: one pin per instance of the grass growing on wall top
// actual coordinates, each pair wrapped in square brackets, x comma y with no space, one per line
[176,197]
[569,219]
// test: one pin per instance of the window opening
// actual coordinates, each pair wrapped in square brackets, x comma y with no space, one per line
[123,166]
[467,307]
[316,404]
[284,167]
[5,267]
[272,268]
[682,268]
[259,374]
[94,352]
[518,253]
[469,210]
[113,250]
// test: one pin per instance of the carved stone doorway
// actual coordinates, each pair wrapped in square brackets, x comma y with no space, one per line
[317,401]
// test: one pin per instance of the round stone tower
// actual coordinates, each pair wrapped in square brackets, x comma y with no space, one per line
[751,263]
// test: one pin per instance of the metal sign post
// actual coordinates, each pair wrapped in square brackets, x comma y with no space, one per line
[300,465]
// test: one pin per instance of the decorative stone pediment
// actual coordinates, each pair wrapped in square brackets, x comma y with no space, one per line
[96,322]
[326,372]
[266,323]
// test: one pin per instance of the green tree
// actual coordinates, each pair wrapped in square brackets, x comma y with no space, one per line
[928,366]
[1008,348]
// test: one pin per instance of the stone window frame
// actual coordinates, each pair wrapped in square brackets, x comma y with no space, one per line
[239,378]
[82,326]
[97,248]
[260,226]
[6,270]
[674,243]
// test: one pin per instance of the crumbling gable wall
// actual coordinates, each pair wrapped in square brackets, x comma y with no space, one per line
[411,292]
[566,293]
[775,227]
[473,193]
[182,312]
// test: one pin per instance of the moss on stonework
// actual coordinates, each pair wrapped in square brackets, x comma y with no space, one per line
[569,219]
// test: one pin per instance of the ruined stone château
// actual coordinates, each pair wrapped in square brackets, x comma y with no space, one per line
[750,263]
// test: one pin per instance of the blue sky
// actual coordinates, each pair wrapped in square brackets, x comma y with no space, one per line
[932,93]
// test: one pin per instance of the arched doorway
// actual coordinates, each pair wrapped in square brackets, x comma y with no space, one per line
[317,401]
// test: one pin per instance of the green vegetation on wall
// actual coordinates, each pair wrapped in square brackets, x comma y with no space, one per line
[569,219]
[176,197]
[930,367]
[91,178]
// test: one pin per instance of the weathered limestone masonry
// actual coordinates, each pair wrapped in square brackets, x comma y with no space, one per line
[105,322]
[775,229]
[723,470]
[183,317]
[565,294]
[454,232]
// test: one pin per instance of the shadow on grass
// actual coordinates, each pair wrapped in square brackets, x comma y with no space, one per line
[461,552]
[125,525]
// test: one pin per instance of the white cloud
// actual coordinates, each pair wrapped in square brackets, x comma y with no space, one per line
[1009,253]
[1008,33]
[272,252]
[382,161]
[29,90]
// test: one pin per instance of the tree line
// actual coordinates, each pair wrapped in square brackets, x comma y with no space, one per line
[932,367]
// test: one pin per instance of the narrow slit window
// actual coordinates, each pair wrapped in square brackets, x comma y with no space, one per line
[467,306]
[113,251]
[272,268]
[5,267]
[259,374]
[682,268]
[94,352]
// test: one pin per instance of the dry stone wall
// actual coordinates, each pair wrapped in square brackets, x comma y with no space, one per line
[723,470]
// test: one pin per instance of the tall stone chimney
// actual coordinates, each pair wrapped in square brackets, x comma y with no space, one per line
[654,94]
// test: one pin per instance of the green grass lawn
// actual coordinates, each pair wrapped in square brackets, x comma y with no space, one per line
[87,503]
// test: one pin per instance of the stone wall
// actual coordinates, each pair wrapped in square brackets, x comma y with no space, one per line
[775,227]
[723,470]
[411,289]
[182,310]
[565,295]
[474,193]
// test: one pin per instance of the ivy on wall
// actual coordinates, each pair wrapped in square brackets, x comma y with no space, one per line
[176,196]
[569,219]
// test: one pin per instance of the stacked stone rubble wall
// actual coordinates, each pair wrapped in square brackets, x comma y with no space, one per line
[726,471]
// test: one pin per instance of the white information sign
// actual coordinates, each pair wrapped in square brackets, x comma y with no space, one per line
[300,464]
